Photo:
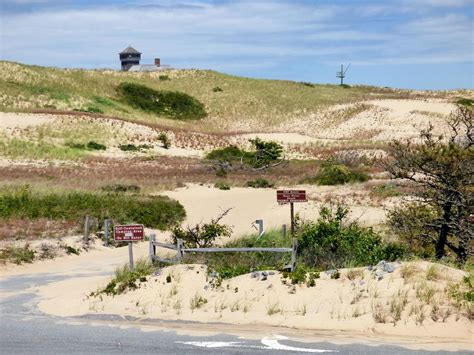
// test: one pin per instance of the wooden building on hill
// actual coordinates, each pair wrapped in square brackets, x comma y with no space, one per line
[129,57]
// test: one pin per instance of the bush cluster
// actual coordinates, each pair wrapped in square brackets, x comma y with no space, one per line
[156,212]
[260,183]
[265,154]
[172,104]
[330,243]
[134,148]
[222,185]
[118,188]
[334,173]
[89,146]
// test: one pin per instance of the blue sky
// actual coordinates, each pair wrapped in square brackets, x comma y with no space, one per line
[420,44]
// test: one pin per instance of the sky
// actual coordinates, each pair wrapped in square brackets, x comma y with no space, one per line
[414,44]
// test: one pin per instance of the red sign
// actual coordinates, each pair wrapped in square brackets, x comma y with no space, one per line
[286,196]
[129,233]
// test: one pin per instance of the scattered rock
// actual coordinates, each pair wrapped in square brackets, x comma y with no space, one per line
[264,274]
[379,275]
[389,268]
[271,273]
[254,275]
[370,267]
[331,272]
[264,278]
[292,290]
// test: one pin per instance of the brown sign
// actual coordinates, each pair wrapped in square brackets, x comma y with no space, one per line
[286,196]
[129,233]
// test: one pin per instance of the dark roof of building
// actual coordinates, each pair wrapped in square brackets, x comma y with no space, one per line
[129,50]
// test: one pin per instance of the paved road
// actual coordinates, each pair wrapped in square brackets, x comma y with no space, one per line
[25,330]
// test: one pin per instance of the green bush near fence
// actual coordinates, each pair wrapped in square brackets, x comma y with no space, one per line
[156,212]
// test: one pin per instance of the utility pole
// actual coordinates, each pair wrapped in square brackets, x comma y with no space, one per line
[342,74]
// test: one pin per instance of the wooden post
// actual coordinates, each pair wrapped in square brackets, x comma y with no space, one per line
[86,229]
[106,231]
[292,213]
[179,245]
[152,247]
[130,255]
[283,230]
[294,246]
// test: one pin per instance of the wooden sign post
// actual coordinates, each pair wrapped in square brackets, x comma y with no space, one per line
[291,196]
[129,233]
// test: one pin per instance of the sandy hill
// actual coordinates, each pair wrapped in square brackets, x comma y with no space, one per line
[232,103]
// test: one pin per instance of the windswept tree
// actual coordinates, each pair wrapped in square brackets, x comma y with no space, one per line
[442,167]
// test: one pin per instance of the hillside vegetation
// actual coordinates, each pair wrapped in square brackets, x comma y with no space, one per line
[226,98]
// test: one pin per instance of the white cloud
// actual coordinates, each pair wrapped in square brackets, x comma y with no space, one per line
[236,34]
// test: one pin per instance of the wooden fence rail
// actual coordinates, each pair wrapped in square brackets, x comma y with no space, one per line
[179,247]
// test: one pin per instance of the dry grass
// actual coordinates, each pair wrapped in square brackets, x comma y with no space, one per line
[254,103]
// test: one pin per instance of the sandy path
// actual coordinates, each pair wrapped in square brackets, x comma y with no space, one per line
[205,202]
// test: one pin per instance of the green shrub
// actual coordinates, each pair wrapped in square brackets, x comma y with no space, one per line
[217,89]
[164,77]
[95,146]
[156,212]
[89,146]
[305,83]
[134,148]
[163,138]
[71,250]
[230,154]
[260,183]
[17,255]
[329,243]
[333,173]
[265,152]
[345,86]
[128,280]
[465,102]
[221,185]
[166,103]
[410,223]
[121,188]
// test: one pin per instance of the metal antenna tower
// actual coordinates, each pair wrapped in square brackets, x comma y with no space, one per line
[342,74]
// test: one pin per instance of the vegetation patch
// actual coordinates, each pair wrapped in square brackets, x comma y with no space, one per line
[17,255]
[334,173]
[121,188]
[260,183]
[17,148]
[330,242]
[126,280]
[134,148]
[171,104]
[91,145]
[156,212]
[222,185]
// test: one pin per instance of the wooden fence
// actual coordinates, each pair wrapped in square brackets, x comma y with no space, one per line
[181,250]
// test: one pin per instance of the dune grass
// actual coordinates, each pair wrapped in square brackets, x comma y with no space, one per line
[267,101]
[24,203]
[18,148]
